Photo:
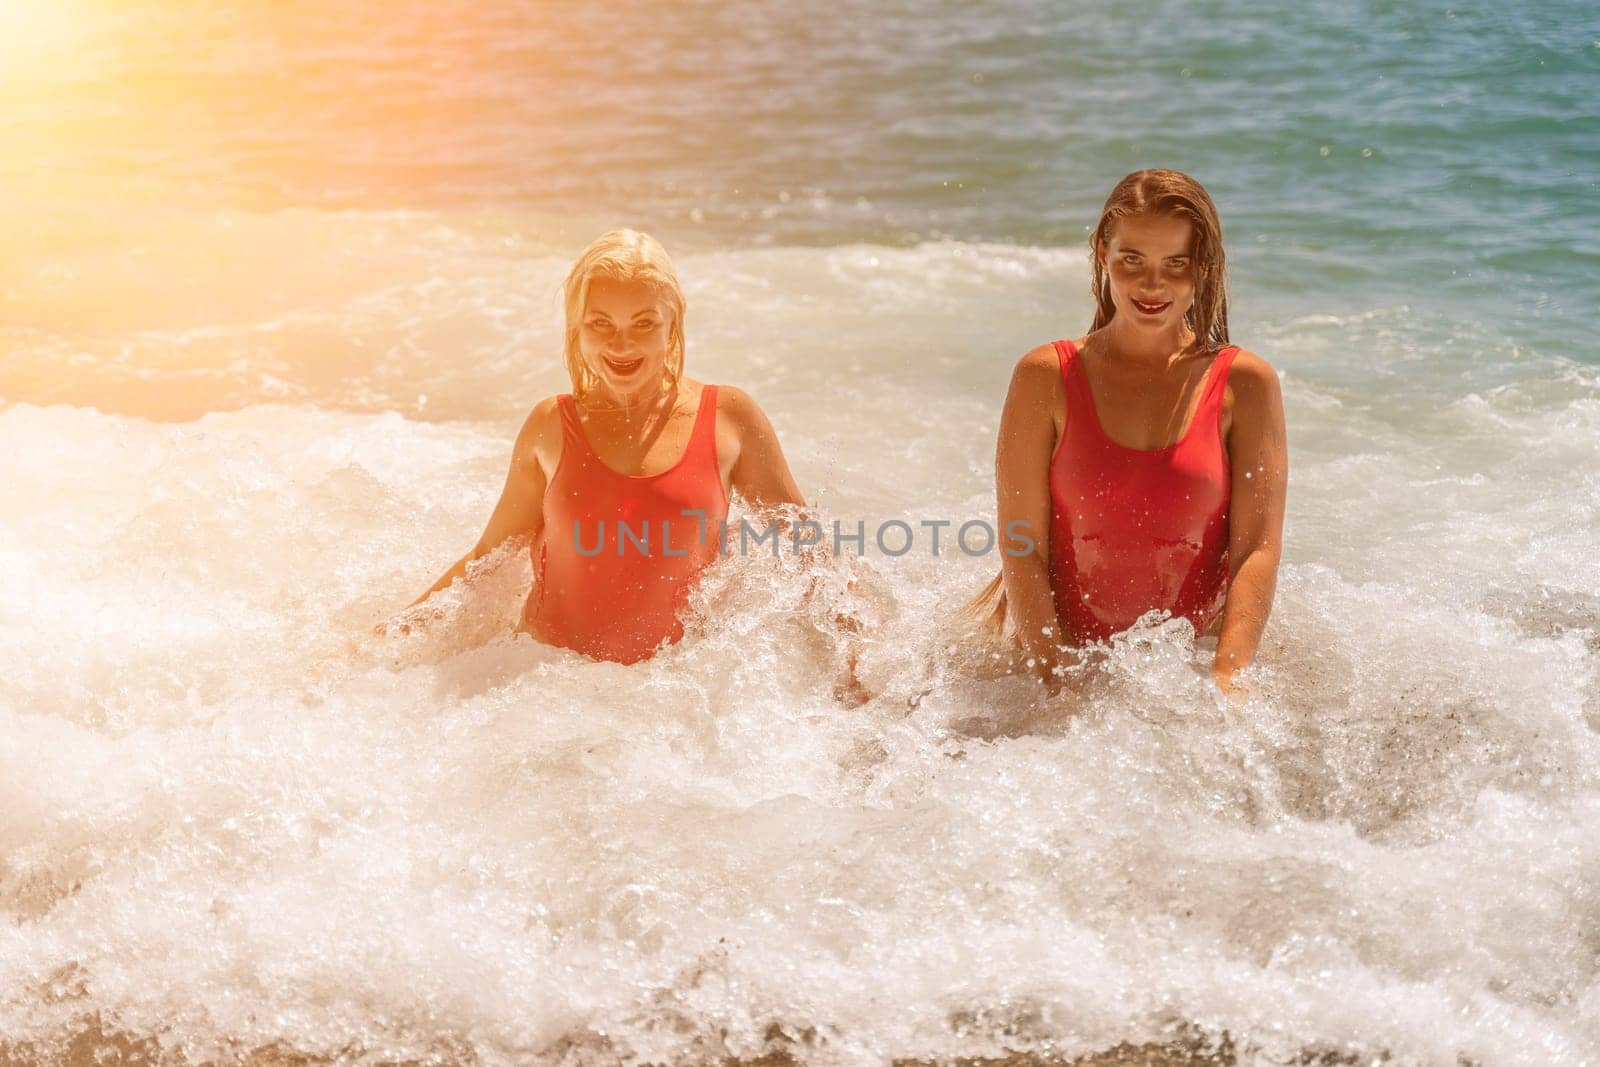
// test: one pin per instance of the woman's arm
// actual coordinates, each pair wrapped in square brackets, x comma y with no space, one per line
[1258,452]
[762,477]
[520,511]
[760,473]
[1022,482]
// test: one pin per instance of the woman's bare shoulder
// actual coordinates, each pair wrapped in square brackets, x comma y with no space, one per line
[1039,357]
[1250,362]
[546,414]
[1253,392]
[541,430]
[1038,373]
[738,408]
[1251,372]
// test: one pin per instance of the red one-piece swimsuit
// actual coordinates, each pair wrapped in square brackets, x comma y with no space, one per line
[618,555]
[1135,530]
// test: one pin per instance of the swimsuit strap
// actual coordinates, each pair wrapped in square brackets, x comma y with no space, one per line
[571,421]
[575,450]
[1075,386]
[1066,352]
[704,434]
[1218,380]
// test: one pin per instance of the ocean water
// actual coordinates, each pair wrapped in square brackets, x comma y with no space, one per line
[278,283]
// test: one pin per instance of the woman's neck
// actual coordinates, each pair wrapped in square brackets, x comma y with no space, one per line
[635,407]
[1150,348]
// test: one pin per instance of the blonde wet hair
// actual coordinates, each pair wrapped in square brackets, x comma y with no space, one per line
[626,256]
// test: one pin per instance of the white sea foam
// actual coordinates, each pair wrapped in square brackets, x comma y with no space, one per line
[222,832]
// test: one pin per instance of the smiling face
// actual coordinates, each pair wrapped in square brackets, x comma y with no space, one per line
[1148,261]
[624,308]
[625,336]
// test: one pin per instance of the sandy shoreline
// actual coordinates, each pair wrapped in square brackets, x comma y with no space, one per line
[94,1047]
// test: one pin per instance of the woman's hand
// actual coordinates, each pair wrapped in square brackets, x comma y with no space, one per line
[849,690]
[1225,675]
[411,620]
[759,473]
[1259,456]
[1026,442]
[519,512]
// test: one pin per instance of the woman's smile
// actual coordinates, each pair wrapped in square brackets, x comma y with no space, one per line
[623,367]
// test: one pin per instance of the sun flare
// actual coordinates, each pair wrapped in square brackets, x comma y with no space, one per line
[22,20]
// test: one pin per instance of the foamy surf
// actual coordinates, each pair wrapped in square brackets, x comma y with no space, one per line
[279,283]
[224,834]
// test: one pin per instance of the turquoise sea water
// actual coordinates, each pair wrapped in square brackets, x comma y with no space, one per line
[278,283]
[1443,153]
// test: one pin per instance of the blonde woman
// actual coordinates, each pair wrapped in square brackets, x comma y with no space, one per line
[622,484]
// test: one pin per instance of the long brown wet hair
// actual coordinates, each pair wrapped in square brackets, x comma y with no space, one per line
[1172,193]
[1146,192]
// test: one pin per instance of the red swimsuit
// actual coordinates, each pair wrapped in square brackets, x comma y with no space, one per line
[617,557]
[1134,530]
